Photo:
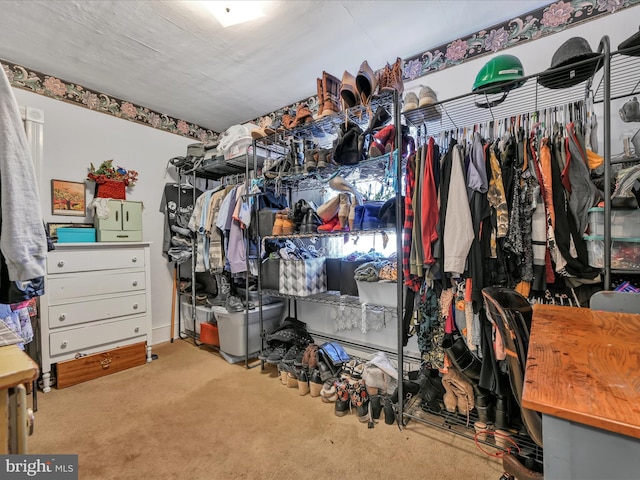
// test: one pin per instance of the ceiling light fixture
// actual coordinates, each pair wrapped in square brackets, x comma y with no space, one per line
[232,13]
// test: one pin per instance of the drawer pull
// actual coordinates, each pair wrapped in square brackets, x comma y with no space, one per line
[136,330]
[64,344]
[63,317]
[135,283]
[134,259]
[60,264]
[106,362]
[135,306]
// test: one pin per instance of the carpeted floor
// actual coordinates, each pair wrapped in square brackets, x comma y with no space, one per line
[192,415]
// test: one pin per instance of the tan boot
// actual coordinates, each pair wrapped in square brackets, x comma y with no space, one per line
[320,97]
[349,91]
[331,94]
[343,212]
[329,209]
[393,79]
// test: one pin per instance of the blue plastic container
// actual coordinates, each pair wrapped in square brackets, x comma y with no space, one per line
[76,235]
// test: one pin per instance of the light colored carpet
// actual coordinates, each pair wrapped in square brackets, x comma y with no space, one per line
[192,415]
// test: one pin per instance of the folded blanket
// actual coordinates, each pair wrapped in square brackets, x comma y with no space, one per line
[370,271]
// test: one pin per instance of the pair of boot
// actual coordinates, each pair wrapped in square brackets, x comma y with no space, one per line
[223,290]
[385,139]
[283,225]
[303,116]
[458,392]
[328,95]
[358,89]
[352,396]
[361,88]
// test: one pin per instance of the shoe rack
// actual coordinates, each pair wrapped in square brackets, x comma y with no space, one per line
[216,171]
[323,131]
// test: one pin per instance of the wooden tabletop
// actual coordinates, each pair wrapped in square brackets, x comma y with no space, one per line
[16,367]
[584,366]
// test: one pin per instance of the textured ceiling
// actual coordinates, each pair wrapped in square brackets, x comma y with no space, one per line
[175,58]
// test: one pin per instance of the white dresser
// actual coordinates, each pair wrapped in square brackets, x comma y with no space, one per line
[97,298]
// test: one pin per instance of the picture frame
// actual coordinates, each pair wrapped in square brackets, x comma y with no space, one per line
[68,198]
[52,228]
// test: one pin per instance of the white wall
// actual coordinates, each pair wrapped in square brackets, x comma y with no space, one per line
[74,137]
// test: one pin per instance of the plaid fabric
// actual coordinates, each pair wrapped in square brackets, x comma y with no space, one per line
[8,336]
[412,281]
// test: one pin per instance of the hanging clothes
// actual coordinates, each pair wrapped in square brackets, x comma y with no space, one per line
[458,231]
[584,193]
[429,208]
[410,280]
[23,241]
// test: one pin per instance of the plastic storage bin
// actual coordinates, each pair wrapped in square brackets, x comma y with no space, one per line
[76,235]
[203,315]
[378,293]
[209,334]
[625,252]
[231,328]
[624,223]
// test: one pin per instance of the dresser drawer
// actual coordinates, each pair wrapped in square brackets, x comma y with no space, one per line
[94,284]
[98,365]
[89,260]
[89,336]
[90,311]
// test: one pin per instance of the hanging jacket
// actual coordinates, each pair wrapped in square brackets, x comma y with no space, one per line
[429,208]
[584,193]
[22,237]
[458,231]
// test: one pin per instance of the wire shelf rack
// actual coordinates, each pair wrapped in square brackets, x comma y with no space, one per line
[459,424]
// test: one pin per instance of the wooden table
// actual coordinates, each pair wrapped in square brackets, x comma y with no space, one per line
[16,368]
[583,374]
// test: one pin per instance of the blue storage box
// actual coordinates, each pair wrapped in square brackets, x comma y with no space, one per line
[76,235]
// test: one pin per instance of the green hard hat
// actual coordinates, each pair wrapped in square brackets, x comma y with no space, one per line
[498,71]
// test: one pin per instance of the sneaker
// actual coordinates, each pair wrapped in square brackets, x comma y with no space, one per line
[277,354]
[343,402]
[410,102]
[264,354]
[290,356]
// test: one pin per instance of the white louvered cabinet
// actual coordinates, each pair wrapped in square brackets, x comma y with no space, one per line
[97,299]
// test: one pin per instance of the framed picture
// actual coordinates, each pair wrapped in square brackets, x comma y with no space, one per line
[52,228]
[68,198]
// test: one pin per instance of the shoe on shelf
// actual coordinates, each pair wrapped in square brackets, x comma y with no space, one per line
[234,304]
[290,355]
[411,102]
[330,225]
[366,83]
[330,95]
[264,354]
[383,141]
[277,353]
[349,90]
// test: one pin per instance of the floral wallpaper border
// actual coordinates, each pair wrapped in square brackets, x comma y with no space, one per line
[552,18]
[544,21]
[53,87]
